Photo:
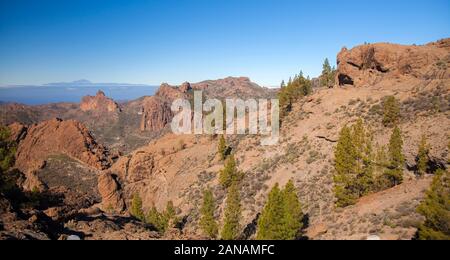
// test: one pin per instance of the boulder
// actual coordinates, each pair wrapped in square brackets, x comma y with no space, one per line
[109,190]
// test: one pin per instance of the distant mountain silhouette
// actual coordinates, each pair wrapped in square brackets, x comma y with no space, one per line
[87,83]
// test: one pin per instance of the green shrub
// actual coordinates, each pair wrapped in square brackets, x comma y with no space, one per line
[136,207]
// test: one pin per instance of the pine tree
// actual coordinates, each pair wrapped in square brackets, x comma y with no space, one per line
[305,86]
[295,89]
[436,209]
[293,214]
[230,173]
[232,214]
[423,157]
[354,164]
[207,221]
[380,167]
[396,158]
[345,165]
[362,143]
[170,210]
[270,223]
[282,215]
[136,207]
[170,214]
[325,78]
[222,148]
[391,111]
[159,221]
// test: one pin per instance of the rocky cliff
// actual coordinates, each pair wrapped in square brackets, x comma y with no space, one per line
[99,103]
[369,64]
[56,136]
[156,110]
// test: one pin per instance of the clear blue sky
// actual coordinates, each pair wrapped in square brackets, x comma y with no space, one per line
[172,41]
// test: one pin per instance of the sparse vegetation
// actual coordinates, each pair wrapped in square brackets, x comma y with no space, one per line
[313,156]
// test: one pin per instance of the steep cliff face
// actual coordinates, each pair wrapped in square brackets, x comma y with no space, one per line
[156,114]
[56,136]
[156,110]
[110,193]
[368,64]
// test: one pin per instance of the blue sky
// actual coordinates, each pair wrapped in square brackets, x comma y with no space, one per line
[150,42]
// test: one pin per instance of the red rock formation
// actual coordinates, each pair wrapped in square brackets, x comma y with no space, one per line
[185,87]
[18,132]
[99,103]
[232,87]
[109,190]
[156,114]
[370,63]
[156,110]
[52,137]
[169,93]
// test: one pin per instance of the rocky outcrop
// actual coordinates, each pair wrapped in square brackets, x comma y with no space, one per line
[56,136]
[233,87]
[99,103]
[185,87]
[18,132]
[171,93]
[156,111]
[368,64]
[156,114]
[109,190]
